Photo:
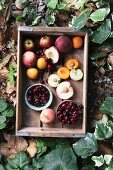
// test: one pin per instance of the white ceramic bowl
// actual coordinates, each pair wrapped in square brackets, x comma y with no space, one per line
[35,107]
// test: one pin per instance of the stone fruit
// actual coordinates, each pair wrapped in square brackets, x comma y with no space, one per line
[53,54]
[72,63]
[76,74]
[32,73]
[63,73]
[68,112]
[29,59]
[77,42]
[19,5]
[63,44]
[54,80]
[29,44]
[41,63]
[47,115]
[65,90]
[45,42]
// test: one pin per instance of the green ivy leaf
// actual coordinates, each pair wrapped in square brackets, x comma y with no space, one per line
[111,164]
[52,4]
[9,112]
[99,15]
[41,147]
[97,54]
[3,105]
[102,33]
[50,19]
[2,125]
[80,21]
[102,131]
[37,162]
[99,160]
[108,159]
[62,158]
[24,12]
[86,146]
[1,167]
[63,5]
[36,21]
[80,3]
[22,1]
[20,161]
[107,106]
[2,119]
[30,167]
[7,167]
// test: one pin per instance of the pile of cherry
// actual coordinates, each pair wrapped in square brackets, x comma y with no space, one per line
[49,54]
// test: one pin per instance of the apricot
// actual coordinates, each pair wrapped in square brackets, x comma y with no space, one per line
[41,63]
[72,63]
[77,42]
[32,73]
[63,73]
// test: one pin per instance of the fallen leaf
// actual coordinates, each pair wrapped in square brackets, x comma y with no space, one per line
[1,38]
[3,72]
[6,59]
[13,99]
[10,88]
[32,148]
[13,145]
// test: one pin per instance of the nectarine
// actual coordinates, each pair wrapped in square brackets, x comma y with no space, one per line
[47,115]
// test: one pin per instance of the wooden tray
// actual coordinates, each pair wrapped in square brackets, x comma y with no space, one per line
[27,120]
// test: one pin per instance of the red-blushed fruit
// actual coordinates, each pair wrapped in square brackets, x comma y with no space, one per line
[53,54]
[29,59]
[63,44]
[45,42]
[29,44]
[47,115]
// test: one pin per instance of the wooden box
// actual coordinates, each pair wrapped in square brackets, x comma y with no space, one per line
[27,120]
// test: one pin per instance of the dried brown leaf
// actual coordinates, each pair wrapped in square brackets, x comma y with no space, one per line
[13,145]
[13,99]
[1,39]
[32,148]
[10,88]
[3,73]
[6,59]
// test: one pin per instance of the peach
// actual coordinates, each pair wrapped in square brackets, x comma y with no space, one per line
[47,115]
[53,54]
[29,59]
[65,90]
[72,63]
[63,44]
[41,63]
[63,73]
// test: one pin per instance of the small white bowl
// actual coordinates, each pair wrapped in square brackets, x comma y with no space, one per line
[35,107]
